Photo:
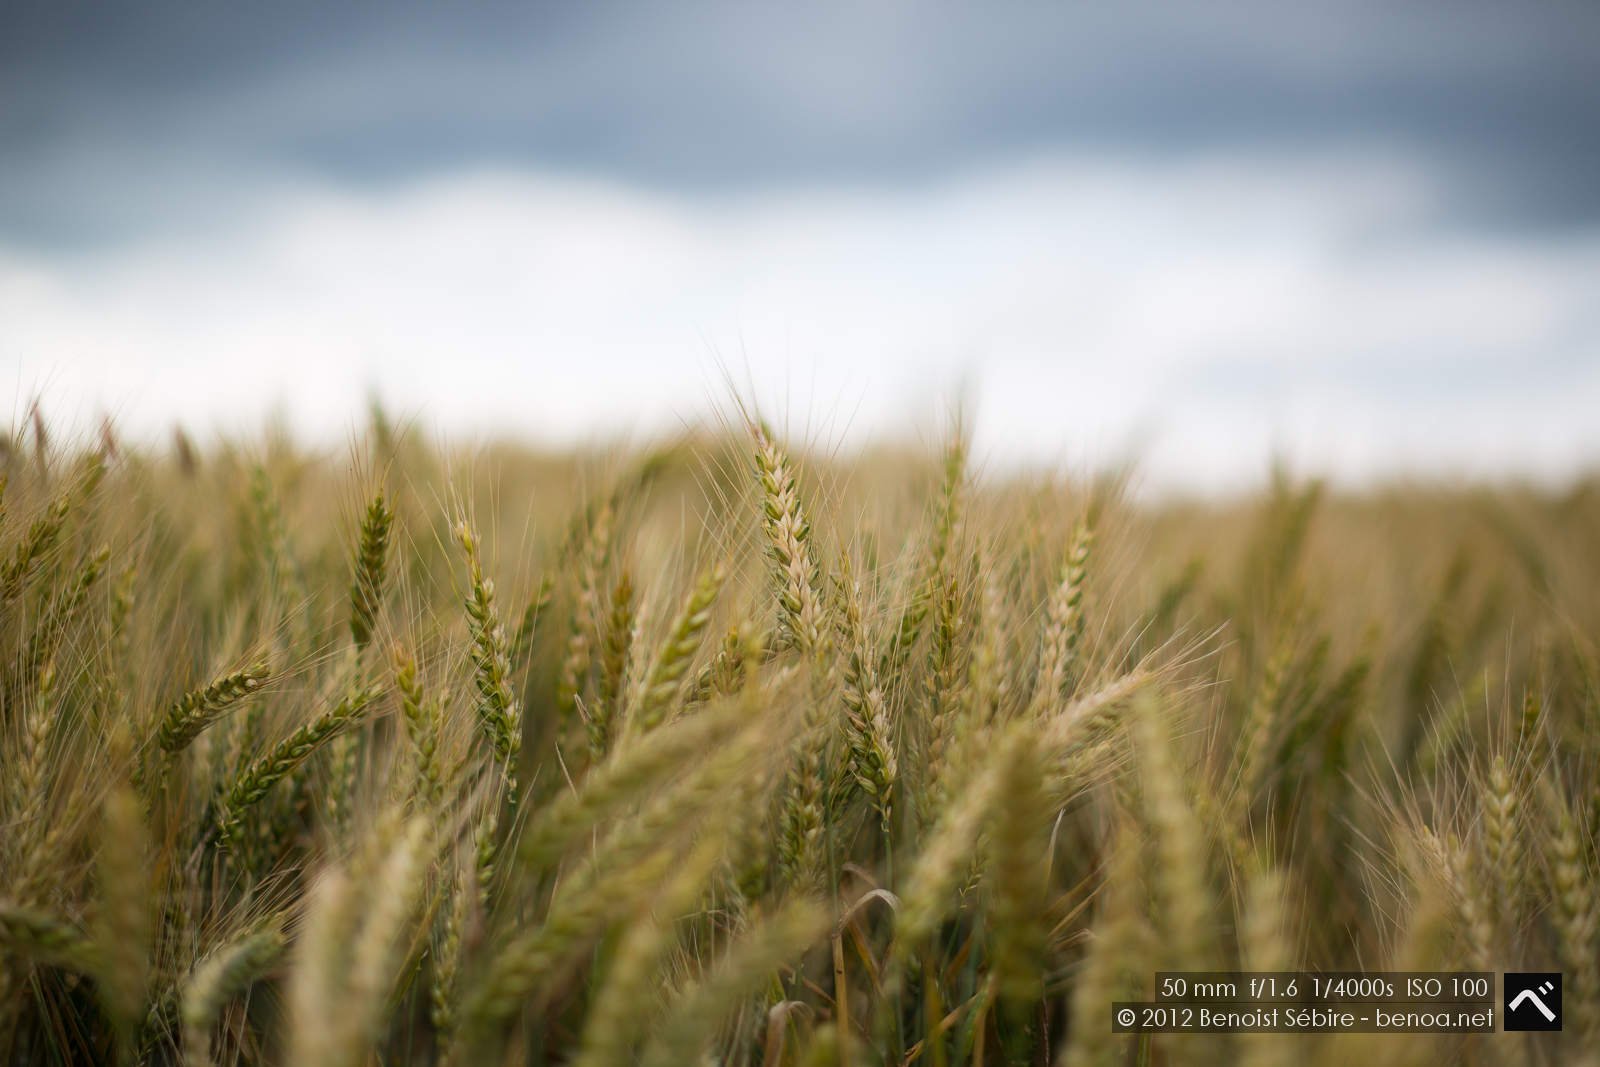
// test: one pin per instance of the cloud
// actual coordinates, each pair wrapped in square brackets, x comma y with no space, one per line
[1207,313]
[123,121]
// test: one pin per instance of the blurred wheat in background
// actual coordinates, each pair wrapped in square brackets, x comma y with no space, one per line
[729,751]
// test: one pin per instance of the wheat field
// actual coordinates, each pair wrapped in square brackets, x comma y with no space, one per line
[734,750]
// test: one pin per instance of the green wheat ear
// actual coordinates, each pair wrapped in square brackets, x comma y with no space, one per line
[1181,880]
[869,735]
[615,650]
[424,725]
[44,937]
[1019,839]
[499,711]
[1575,912]
[1064,625]
[196,710]
[594,554]
[1264,945]
[124,926]
[284,758]
[659,691]
[30,552]
[788,533]
[63,609]
[227,972]
[371,570]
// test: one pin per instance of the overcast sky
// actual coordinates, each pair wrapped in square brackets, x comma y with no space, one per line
[1363,236]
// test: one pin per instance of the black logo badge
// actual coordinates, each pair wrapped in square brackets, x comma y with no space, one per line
[1532,1000]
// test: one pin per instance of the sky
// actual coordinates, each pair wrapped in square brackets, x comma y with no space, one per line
[1360,238]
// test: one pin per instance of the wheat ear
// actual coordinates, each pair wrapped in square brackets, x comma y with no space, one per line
[221,976]
[664,680]
[196,710]
[499,712]
[371,570]
[270,769]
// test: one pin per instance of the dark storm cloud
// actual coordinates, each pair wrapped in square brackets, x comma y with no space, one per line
[136,118]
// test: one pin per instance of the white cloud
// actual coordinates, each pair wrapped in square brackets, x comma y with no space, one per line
[1211,313]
